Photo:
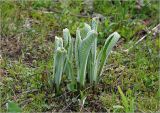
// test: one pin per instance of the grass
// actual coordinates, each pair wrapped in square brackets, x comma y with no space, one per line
[27,41]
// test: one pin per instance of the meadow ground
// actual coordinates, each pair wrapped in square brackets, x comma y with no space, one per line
[28,29]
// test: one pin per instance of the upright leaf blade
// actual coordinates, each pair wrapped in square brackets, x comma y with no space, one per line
[68,44]
[92,63]
[124,99]
[58,44]
[84,50]
[59,64]
[94,24]
[105,51]
[66,37]
[77,46]
[84,31]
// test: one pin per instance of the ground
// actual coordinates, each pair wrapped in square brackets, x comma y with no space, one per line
[28,29]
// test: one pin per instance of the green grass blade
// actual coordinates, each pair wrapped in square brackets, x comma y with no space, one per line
[124,99]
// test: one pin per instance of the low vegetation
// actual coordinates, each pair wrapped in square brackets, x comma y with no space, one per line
[85,54]
[79,56]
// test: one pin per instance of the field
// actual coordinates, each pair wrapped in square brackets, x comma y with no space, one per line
[130,78]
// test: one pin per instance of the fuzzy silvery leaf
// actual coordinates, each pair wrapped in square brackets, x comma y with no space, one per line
[105,51]
[58,42]
[77,46]
[84,50]
[92,63]
[68,44]
[85,30]
[59,64]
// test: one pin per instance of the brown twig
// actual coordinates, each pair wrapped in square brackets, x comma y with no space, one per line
[155,30]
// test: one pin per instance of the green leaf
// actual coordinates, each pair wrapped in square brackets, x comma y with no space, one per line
[77,46]
[84,50]
[105,51]
[84,31]
[95,23]
[92,63]
[69,70]
[66,37]
[60,56]
[124,99]
[68,44]
[72,87]
[82,99]
[58,42]
[13,107]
